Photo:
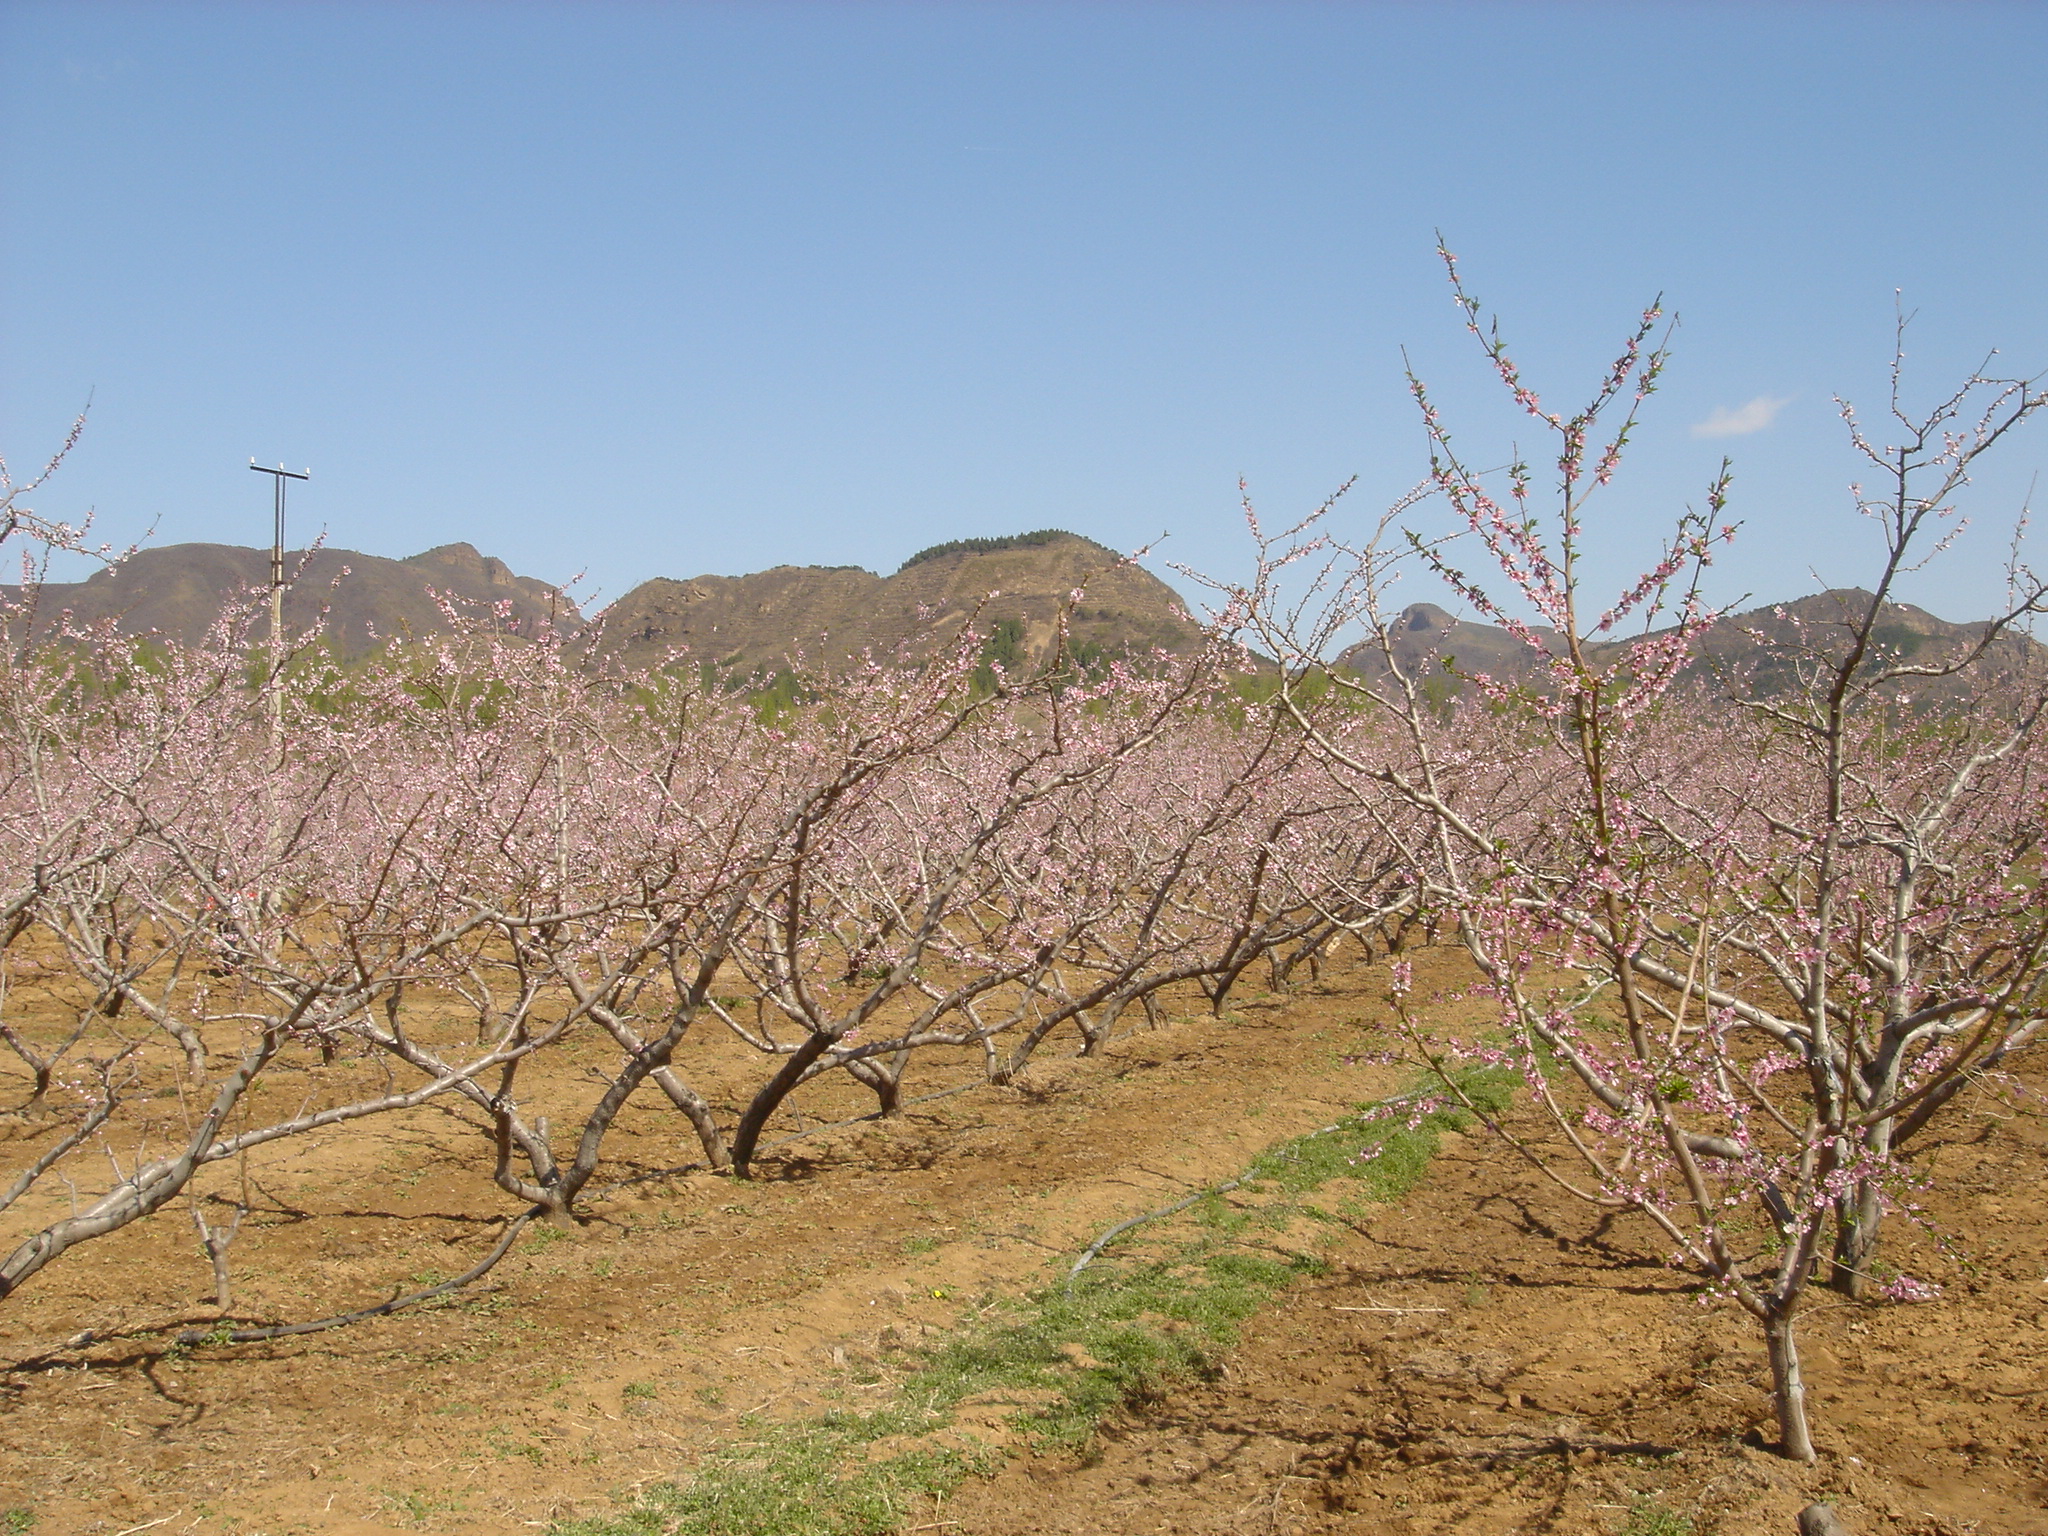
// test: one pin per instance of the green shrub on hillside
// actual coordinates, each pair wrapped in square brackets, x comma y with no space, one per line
[1036,540]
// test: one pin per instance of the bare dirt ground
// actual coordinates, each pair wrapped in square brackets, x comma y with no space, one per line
[1566,1376]
[1553,1377]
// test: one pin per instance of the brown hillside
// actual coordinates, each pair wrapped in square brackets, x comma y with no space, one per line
[1759,648]
[1754,652]
[179,590]
[1426,638]
[832,613]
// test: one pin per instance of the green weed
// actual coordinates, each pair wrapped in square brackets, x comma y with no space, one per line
[1653,1517]
[421,1506]
[799,1480]
[1121,1335]
[503,1443]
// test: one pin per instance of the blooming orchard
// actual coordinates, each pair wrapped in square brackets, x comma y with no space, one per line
[1747,938]
[413,880]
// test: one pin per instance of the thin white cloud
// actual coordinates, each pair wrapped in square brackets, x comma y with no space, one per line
[1743,420]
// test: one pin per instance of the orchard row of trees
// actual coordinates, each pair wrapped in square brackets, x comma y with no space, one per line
[240,914]
[1746,948]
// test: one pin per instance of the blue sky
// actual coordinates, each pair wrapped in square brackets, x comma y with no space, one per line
[640,289]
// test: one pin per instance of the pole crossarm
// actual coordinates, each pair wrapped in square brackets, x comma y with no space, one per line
[278,476]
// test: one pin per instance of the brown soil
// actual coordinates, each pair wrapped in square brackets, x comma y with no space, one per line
[1553,1376]
[1566,1374]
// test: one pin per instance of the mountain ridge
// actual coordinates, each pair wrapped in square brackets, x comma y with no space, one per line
[1013,589]
[178,591]
[830,615]
[1763,642]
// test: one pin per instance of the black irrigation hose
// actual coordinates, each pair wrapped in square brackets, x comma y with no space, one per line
[1094,1250]
[193,1336]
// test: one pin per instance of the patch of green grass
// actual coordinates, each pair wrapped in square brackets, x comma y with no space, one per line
[505,1444]
[422,1506]
[812,1479]
[1121,1335]
[1653,1517]
[18,1521]
[1384,1156]
[1126,1329]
